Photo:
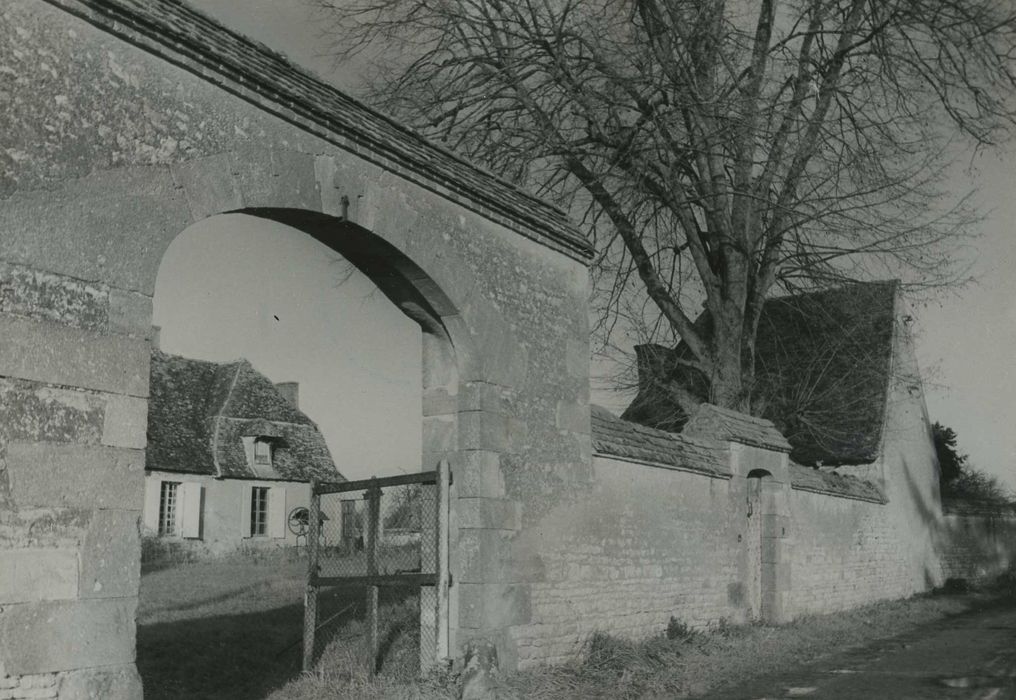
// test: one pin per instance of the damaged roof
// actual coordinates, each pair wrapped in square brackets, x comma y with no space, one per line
[823,367]
[199,411]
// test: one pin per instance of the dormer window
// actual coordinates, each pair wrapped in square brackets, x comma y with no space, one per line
[262,452]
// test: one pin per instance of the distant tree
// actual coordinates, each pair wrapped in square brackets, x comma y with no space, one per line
[716,152]
[960,480]
[950,461]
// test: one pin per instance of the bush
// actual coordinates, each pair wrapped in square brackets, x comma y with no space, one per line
[677,629]
[163,551]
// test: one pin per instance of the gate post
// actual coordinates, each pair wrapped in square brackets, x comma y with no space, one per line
[311,593]
[434,558]
[444,483]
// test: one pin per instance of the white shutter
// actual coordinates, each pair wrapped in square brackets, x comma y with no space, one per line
[150,516]
[189,509]
[277,512]
[245,494]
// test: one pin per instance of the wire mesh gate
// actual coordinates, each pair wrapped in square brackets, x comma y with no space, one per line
[389,533]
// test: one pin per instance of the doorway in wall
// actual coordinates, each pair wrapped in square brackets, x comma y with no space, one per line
[760,539]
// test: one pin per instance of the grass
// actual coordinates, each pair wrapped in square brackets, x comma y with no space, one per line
[231,629]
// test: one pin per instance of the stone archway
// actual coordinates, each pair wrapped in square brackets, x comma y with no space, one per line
[167,119]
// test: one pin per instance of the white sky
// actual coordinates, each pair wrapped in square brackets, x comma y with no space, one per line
[964,341]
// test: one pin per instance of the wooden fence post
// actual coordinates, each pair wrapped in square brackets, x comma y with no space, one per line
[373,530]
[311,593]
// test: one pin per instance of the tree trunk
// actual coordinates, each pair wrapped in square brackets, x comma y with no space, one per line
[726,383]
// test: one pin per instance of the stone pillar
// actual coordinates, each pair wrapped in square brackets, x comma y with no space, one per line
[440,432]
[74,363]
[776,532]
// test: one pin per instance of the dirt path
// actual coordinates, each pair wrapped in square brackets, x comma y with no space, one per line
[972,655]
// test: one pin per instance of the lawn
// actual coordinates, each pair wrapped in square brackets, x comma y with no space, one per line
[233,628]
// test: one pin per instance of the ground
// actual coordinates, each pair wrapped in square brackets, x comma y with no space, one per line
[966,656]
[232,629]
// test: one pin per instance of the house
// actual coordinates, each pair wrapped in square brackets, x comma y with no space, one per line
[230,456]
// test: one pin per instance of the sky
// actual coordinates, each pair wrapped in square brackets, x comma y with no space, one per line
[965,338]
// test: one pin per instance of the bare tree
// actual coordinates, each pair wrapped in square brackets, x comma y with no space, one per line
[718,152]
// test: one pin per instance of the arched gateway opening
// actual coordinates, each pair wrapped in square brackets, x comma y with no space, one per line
[226,538]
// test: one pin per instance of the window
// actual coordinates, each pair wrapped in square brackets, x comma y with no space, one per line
[167,507]
[262,452]
[259,511]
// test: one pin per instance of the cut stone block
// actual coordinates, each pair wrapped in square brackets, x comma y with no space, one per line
[48,352]
[122,683]
[30,575]
[125,423]
[64,636]
[111,554]
[48,475]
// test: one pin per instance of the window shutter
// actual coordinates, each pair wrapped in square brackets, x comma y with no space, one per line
[277,512]
[153,486]
[190,510]
[245,495]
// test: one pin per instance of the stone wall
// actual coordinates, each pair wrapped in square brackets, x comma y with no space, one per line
[846,553]
[978,542]
[73,379]
[644,543]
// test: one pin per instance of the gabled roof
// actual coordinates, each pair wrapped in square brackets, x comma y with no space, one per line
[619,438]
[199,411]
[823,366]
[173,30]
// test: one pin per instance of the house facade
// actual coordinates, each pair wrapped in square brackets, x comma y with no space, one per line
[230,457]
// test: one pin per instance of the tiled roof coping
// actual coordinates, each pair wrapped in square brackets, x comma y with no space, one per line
[830,483]
[724,424]
[630,442]
[188,38]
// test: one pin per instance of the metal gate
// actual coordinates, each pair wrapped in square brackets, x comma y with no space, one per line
[389,533]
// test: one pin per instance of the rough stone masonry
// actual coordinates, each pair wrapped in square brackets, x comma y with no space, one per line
[126,122]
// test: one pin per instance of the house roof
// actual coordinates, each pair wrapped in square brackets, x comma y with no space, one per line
[615,437]
[823,366]
[199,411]
[187,37]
